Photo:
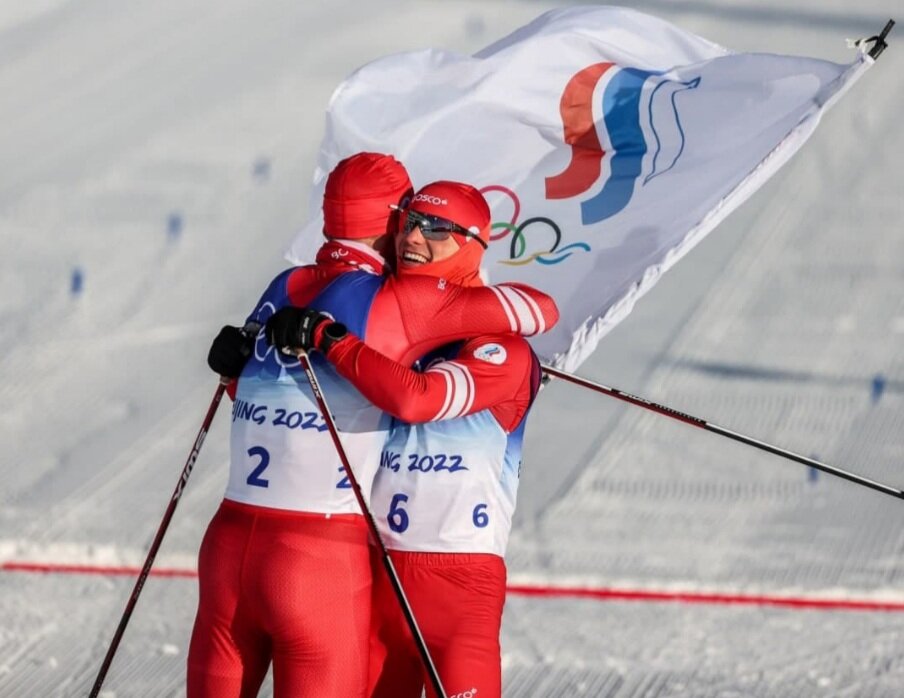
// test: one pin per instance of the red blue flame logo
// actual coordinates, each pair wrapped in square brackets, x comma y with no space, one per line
[625,105]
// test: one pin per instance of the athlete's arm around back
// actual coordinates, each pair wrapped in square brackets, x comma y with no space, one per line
[413,315]
[492,372]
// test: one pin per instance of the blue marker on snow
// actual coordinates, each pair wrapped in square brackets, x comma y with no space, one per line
[813,473]
[261,170]
[77,281]
[878,388]
[475,26]
[174,225]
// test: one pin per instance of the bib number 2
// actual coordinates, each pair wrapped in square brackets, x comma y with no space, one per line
[255,479]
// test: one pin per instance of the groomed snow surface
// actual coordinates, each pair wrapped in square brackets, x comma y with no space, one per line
[157,156]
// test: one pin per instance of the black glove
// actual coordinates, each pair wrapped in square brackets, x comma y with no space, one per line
[230,351]
[297,328]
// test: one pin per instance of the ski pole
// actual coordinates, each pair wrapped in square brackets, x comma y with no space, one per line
[722,431]
[158,538]
[426,659]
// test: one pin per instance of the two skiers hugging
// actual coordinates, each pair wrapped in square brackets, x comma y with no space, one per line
[429,381]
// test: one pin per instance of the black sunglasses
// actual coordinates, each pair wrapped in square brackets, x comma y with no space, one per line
[436,228]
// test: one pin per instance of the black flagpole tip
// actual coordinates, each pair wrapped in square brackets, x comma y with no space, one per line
[879,46]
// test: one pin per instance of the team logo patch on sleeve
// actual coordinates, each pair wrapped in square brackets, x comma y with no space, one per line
[491,353]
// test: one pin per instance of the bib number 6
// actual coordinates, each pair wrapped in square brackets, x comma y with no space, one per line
[479,516]
[398,517]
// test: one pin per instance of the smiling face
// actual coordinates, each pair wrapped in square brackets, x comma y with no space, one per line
[414,249]
[443,233]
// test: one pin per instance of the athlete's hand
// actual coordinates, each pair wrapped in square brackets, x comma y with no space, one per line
[230,351]
[296,328]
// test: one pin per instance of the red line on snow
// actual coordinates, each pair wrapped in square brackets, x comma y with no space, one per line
[103,570]
[614,594]
[598,593]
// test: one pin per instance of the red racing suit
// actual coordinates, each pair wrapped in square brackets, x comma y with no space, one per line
[284,566]
[443,498]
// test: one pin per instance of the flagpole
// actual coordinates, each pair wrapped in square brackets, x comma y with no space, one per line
[880,45]
[722,431]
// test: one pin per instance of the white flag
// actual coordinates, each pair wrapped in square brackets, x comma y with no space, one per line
[607,142]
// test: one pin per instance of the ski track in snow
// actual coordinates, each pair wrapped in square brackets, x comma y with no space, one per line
[13,15]
[119,119]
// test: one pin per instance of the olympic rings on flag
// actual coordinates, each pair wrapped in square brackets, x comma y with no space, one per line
[518,245]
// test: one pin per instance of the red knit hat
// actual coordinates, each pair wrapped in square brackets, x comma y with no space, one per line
[358,195]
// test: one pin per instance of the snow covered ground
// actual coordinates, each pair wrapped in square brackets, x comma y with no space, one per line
[158,154]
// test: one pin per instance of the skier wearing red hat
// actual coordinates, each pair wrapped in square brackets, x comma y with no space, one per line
[444,493]
[284,569]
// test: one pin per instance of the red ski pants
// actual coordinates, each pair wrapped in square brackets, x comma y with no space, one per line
[457,600]
[283,586]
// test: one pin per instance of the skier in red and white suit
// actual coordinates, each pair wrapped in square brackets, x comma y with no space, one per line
[445,491]
[284,566]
